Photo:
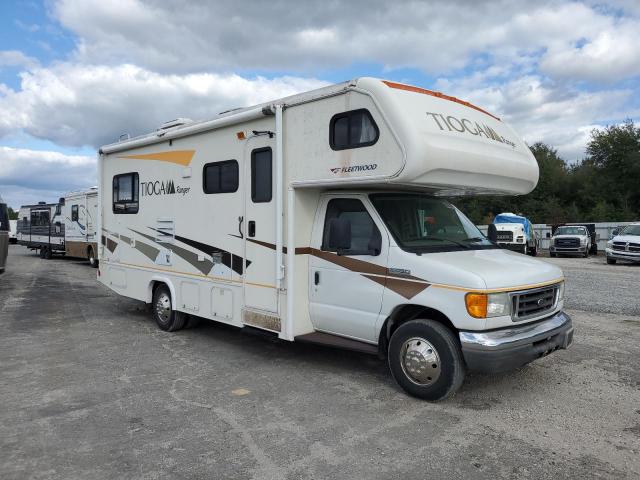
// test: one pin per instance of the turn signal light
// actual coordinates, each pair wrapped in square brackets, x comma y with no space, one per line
[476,304]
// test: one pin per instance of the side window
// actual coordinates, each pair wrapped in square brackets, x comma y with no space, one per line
[220,177]
[352,129]
[58,209]
[125,193]
[349,229]
[261,175]
[74,213]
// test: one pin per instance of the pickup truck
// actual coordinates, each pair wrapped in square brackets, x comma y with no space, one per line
[625,245]
[570,240]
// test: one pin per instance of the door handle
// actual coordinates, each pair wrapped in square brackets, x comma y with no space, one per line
[252,228]
[316,278]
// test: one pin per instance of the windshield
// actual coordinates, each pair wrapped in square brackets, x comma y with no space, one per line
[630,230]
[420,223]
[571,231]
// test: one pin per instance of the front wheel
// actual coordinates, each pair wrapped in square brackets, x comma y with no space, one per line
[586,253]
[425,359]
[611,261]
[165,316]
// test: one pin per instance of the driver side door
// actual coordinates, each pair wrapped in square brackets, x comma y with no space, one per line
[347,283]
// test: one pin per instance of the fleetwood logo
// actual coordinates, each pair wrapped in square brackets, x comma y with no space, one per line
[162,188]
[354,168]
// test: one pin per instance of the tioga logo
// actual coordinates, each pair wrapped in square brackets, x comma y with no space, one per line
[463,125]
[162,188]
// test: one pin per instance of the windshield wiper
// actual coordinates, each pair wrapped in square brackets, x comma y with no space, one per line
[473,239]
[438,239]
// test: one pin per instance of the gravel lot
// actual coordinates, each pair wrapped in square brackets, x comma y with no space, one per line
[89,388]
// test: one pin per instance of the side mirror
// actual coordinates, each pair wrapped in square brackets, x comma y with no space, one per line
[339,234]
[61,201]
[615,232]
[492,233]
[548,235]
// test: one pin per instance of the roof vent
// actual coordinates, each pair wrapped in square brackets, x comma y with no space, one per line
[175,123]
[42,203]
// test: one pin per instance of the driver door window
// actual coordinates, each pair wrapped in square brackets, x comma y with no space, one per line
[360,235]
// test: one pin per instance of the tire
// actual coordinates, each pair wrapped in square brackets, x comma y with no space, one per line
[611,261]
[586,253]
[165,316]
[445,367]
[534,252]
[43,251]
[93,261]
[552,255]
[48,253]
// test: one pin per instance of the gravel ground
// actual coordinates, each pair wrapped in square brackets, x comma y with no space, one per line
[90,388]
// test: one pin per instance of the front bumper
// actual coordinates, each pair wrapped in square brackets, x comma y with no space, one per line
[623,255]
[510,348]
[580,249]
[514,247]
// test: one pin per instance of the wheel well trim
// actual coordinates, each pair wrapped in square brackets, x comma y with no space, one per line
[404,313]
[158,279]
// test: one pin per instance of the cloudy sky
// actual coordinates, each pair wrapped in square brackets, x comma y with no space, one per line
[75,74]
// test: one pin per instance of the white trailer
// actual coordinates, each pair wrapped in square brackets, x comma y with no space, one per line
[319,217]
[80,215]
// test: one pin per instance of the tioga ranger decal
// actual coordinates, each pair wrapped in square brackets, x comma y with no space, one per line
[162,188]
[464,125]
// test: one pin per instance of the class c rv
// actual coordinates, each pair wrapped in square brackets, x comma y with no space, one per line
[4,234]
[66,228]
[322,217]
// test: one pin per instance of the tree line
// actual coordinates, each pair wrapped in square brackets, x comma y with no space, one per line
[603,187]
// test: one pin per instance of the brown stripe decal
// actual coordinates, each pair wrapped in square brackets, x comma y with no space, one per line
[405,285]
[111,245]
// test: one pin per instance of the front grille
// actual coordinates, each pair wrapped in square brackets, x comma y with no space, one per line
[532,303]
[622,246]
[505,236]
[567,242]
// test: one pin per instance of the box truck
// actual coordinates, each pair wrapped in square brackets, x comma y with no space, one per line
[516,233]
[322,217]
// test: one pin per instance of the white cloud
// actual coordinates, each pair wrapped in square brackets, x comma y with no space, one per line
[74,104]
[15,58]
[29,176]
[436,37]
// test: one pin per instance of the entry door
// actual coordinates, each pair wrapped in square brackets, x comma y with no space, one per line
[260,225]
[346,285]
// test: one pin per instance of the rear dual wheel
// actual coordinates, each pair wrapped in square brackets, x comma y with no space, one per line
[425,359]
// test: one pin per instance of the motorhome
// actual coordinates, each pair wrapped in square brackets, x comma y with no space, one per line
[66,228]
[80,212]
[516,233]
[4,234]
[41,228]
[322,218]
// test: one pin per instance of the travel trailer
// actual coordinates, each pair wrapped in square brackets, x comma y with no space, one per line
[41,228]
[4,234]
[320,218]
[516,233]
[80,212]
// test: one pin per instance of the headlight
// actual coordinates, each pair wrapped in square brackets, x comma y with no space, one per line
[610,243]
[583,241]
[482,305]
[520,239]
